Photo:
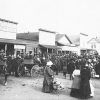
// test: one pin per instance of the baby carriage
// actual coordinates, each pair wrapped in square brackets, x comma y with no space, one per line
[57,85]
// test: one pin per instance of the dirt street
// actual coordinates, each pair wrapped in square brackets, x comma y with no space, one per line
[27,88]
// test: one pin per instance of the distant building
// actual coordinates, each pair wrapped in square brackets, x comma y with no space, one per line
[8,29]
[42,42]
[75,46]
[63,42]
[47,41]
[32,40]
[75,39]
[8,42]
[94,45]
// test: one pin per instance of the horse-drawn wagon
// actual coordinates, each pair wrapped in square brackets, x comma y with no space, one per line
[29,67]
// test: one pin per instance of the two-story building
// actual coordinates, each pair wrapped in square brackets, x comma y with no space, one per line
[8,42]
[41,42]
[63,41]
[94,45]
[47,42]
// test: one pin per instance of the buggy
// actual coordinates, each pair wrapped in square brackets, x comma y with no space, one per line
[28,67]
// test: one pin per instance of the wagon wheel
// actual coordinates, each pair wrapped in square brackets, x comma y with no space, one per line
[34,71]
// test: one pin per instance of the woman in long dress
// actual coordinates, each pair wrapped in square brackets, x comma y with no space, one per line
[48,78]
[75,89]
[85,89]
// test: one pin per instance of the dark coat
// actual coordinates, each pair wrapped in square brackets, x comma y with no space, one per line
[97,69]
[85,90]
[48,80]
[70,67]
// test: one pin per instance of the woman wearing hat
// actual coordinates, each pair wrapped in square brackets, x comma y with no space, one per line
[48,78]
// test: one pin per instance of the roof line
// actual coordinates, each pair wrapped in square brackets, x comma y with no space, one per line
[92,39]
[68,39]
[83,34]
[8,21]
[40,29]
[27,32]
[59,44]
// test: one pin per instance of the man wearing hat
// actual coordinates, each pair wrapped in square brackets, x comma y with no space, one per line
[48,78]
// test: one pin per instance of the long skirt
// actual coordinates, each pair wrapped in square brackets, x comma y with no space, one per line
[75,91]
[85,89]
[47,88]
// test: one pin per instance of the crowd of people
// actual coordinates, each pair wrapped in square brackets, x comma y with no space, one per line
[80,69]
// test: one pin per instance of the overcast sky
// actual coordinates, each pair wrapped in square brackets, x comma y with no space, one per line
[63,16]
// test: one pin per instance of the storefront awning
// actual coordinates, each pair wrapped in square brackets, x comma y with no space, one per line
[12,41]
[49,46]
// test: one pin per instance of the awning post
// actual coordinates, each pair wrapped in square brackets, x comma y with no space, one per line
[5,49]
[52,50]
[47,50]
